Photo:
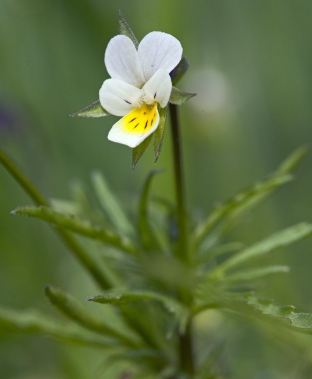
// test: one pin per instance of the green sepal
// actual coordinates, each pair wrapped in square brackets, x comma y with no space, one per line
[94,110]
[177,73]
[160,132]
[138,151]
[125,29]
[179,97]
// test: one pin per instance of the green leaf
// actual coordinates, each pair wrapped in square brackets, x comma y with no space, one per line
[125,29]
[111,205]
[160,132]
[138,151]
[291,163]
[73,310]
[252,194]
[284,316]
[275,241]
[146,234]
[179,97]
[252,274]
[77,225]
[31,321]
[90,264]
[94,110]
[177,73]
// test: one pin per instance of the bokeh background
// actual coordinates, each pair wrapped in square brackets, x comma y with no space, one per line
[251,66]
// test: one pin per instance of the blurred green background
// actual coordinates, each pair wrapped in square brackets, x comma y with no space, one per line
[251,66]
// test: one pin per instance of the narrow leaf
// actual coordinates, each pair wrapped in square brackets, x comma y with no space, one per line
[94,110]
[160,132]
[146,234]
[35,322]
[291,163]
[111,205]
[179,97]
[177,73]
[252,274]
[73,310]
[239,200]
[138,151]
[277,240]
[77,225]
[125,29]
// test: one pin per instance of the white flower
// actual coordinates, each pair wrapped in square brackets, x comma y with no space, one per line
[139,81]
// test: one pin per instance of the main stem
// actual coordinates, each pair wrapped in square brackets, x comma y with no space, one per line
[185,340]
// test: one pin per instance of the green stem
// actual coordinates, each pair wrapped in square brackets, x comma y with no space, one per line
[179,184]
[185,341]
[88,262]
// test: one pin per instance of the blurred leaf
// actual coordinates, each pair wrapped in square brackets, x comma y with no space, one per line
[35,322]
[146,234]
[77,225]
[291,163]
[138,151]
[160,132]
[253,193]
[179,97]
[72,309]
[251,274]
[177,73]
[64,206]
[220,250]
[279,239]
[125,29]
[111,205]
[94,110]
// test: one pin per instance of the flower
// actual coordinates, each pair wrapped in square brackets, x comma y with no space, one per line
[140,81]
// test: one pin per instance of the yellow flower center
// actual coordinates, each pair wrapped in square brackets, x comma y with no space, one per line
[141,119]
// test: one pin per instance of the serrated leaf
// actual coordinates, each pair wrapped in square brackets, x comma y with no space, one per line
[125,29]
[77,225]
[253,193]
[252,274]
[110,205]
[179,97]
[138,151]
[94,110]
[31,321]
[177,73]
[160,132]
[73,310]
[275,241]
[283,315]
[146,234]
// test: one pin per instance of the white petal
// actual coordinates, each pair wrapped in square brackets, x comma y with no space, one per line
[159,50]
[132,129]
[122,61]
[118,97]
[159,87]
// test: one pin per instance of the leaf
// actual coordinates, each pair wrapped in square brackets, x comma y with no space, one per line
[177,73]
[125,29]
[255,192]
[179,97]
[73,310]
[251,274]
[279,239]
[138,151]
[94,110]
[282,315]
[77,225]
[160,132]
[31,321]
[291,163]
[146,234]
[172,305]
[111,205]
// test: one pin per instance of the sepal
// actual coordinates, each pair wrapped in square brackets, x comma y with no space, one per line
[94,110]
